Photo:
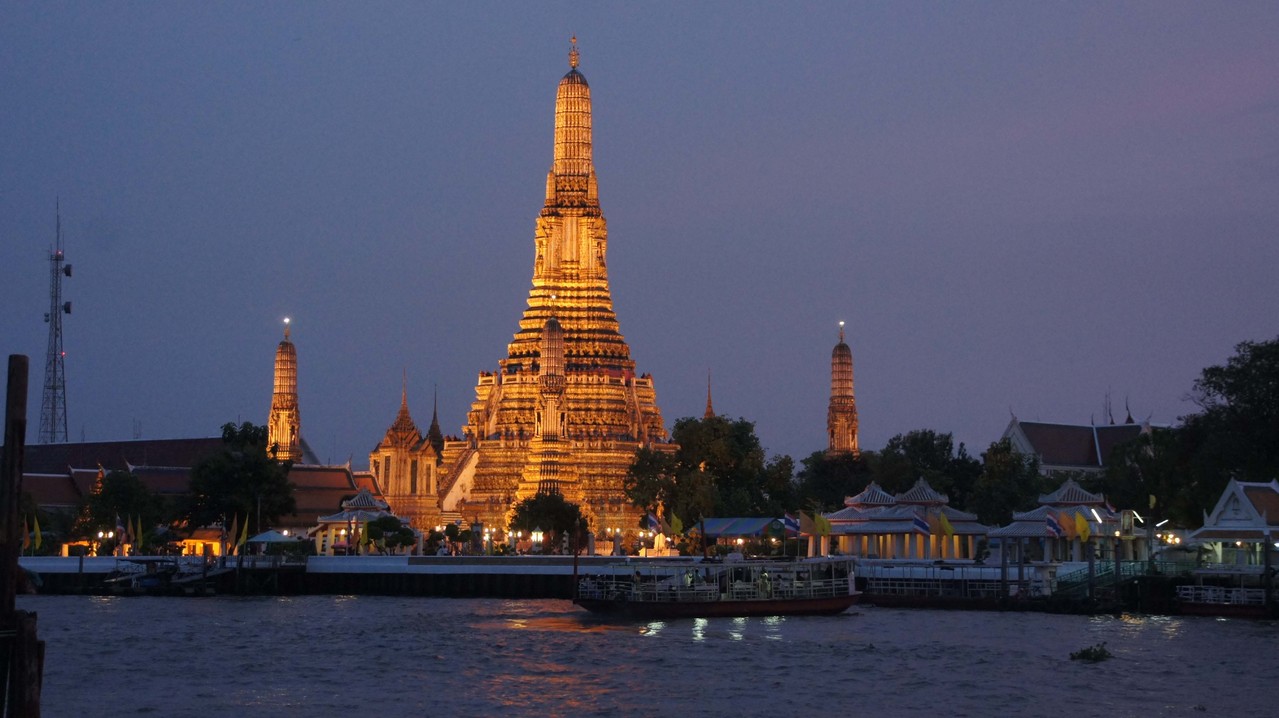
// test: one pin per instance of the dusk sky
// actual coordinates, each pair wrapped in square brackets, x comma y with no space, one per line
[1015,206]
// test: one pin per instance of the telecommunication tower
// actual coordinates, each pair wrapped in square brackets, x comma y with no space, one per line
[53,409]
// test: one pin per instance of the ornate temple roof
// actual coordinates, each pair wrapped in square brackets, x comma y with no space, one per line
[872,495]
[365,500]
[1071,493]
[1078,445]
[922,493]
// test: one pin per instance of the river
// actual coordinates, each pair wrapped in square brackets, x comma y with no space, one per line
[383,656]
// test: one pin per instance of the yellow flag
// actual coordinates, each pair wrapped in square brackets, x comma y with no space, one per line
[945,525]
[244,533]
[677,526]
[1081,527]
[235,530]
[38,540]
[807,525]
[823,525]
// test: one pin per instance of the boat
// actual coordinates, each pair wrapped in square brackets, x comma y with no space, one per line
[705,589]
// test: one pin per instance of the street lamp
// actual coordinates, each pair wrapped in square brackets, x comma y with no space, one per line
[537,539]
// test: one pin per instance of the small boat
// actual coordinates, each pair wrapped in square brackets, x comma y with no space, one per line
[703,589]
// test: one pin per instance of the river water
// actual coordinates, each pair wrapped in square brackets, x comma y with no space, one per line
[382,656]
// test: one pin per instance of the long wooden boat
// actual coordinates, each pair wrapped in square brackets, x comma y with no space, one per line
[688,589]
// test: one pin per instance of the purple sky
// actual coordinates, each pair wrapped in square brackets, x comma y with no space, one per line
[1013,205]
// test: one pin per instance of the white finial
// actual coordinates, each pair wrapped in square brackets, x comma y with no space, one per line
[286,327]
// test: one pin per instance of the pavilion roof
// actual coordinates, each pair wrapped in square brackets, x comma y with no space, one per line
[922,493]
[872,495]
[1071,492]
[365,499]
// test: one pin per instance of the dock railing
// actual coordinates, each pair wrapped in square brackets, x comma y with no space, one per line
[1222,595]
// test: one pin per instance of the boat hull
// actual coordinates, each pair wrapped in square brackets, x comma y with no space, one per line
[824,606]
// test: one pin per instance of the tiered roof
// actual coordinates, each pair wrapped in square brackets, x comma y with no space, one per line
[876,512]
[1068,500]
[1246,511]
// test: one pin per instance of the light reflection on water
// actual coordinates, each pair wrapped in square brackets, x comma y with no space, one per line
[318,656]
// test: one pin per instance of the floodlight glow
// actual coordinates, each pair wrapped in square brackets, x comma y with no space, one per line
[1161,523]
[1096,515]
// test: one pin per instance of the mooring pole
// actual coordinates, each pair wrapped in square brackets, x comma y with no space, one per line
[15,437]
[23,652]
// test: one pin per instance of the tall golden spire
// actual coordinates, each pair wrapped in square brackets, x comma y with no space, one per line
[841,416]
[566,408]
[572,178]
[284,423]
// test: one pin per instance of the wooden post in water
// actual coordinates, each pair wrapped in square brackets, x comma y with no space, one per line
[1092,569]
[23,653]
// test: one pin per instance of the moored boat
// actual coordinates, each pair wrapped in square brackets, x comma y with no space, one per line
[689,589]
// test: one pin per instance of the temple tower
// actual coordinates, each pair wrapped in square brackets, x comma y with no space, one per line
[406,466]
[841,417]
[605,411]
[284,424]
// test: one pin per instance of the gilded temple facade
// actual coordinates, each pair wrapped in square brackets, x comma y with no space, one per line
[565,410]
[841,416]
[406,465]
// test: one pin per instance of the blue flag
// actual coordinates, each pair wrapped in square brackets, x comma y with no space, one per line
[920,524]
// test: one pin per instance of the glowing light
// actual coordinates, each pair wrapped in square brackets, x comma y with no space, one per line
[1161,523]
[1096,515]
[286,320]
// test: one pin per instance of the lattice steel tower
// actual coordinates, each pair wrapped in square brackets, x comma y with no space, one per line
[53,409]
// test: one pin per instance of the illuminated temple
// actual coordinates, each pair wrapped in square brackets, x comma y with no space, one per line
[565,411]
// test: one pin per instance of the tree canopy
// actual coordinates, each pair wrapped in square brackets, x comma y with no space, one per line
[388,533]
[241,480]
[930,455]
[122,497]
[1009,481]
[551,513]
[827,479]
[1237,432]
[719,469]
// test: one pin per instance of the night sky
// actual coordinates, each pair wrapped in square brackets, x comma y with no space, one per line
[1015,206]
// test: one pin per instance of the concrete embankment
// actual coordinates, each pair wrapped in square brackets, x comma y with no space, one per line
[459,576]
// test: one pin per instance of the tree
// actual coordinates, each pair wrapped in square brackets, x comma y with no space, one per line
[932,456]
[1237,433]
[827,479]
[1009,482]
[1154,464]
[241,481]
[551,513]
[388,533]
[122,497]
[720,468]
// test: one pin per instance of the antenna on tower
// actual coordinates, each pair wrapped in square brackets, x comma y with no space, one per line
[53,407]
